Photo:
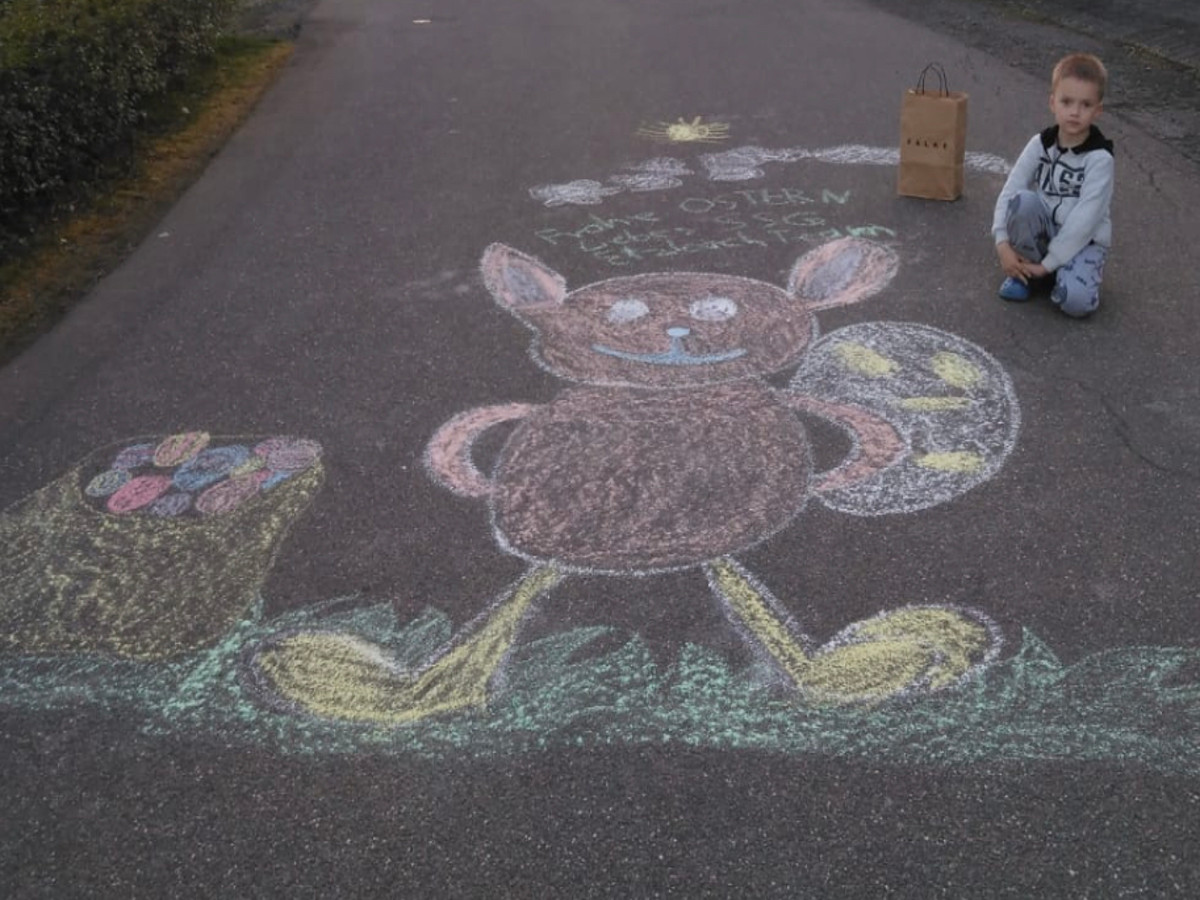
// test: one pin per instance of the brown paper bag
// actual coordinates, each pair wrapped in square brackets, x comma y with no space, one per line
[933,137]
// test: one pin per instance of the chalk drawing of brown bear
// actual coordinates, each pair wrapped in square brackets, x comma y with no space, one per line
[669,450]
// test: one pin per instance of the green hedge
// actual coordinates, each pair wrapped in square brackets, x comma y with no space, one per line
[76,78]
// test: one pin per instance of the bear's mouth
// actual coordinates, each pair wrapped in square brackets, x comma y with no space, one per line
[675,356]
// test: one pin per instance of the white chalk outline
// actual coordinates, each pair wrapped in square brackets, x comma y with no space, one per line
[736,164]
[990,423]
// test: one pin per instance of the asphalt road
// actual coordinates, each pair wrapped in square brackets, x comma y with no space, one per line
[181,699]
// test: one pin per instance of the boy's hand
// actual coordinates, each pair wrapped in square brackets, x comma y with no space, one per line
[1011,262]
[1017,266]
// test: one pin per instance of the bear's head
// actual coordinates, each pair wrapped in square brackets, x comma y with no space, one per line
[680,329]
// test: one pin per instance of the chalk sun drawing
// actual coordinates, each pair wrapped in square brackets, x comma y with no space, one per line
[743,164]
[680,131]
[668,450]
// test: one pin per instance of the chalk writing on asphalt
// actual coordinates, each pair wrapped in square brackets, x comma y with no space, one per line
[729,222]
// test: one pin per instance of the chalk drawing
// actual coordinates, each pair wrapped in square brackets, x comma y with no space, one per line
[1128,706]
[584,192]
[1132,707]
[150,550]
[680,131]
[132,583]
[660,174]
[754,202]
[743,164]
[952,403]
[330,673]
[670,451]
[893,654]
[732,222]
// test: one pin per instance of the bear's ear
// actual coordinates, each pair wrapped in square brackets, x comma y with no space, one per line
[843,271]
[519,282]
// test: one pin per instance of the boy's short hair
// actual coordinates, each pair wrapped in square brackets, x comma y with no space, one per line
[1083,66]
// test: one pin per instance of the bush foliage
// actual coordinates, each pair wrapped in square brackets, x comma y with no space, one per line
[76,80]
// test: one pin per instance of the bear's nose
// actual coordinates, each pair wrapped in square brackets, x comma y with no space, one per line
[679,332]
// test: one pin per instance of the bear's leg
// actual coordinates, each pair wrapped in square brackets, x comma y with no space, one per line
[904,651]
[341,676]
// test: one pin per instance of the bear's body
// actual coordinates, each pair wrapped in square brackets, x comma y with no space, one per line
[624,479]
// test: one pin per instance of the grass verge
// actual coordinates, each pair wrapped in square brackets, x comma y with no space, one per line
[184,131]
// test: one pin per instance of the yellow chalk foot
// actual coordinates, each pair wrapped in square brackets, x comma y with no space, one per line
[340,676]
[957,639]
[905,651]
[859,673]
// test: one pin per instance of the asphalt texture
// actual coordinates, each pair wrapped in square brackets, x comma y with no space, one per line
[323,280]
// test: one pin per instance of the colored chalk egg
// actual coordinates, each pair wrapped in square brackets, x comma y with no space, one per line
[179,448]
[274,478]
[138,492]
[107,483]
[289,454]
[132,457]
[228,495]
[170,505]
[209,465]
[250,464]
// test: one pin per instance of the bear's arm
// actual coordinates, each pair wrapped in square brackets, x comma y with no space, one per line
[448,455]
[877,445]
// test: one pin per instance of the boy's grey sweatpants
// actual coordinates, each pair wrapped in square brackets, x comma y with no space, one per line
[1076,283]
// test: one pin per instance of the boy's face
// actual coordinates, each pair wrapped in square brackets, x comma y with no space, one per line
[1075,104]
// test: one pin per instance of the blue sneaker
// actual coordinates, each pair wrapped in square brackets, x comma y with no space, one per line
[1014,289]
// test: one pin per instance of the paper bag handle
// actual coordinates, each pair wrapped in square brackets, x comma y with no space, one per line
[941,74]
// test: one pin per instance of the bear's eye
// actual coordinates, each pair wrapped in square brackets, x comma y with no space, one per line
[713,309]
[627,311]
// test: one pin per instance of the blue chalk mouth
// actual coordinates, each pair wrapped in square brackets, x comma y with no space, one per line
[675,356]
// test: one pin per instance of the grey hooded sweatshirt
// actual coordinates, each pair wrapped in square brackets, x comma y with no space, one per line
[1076,185]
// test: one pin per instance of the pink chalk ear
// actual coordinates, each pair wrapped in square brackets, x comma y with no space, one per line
[519,282]
[843,271]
